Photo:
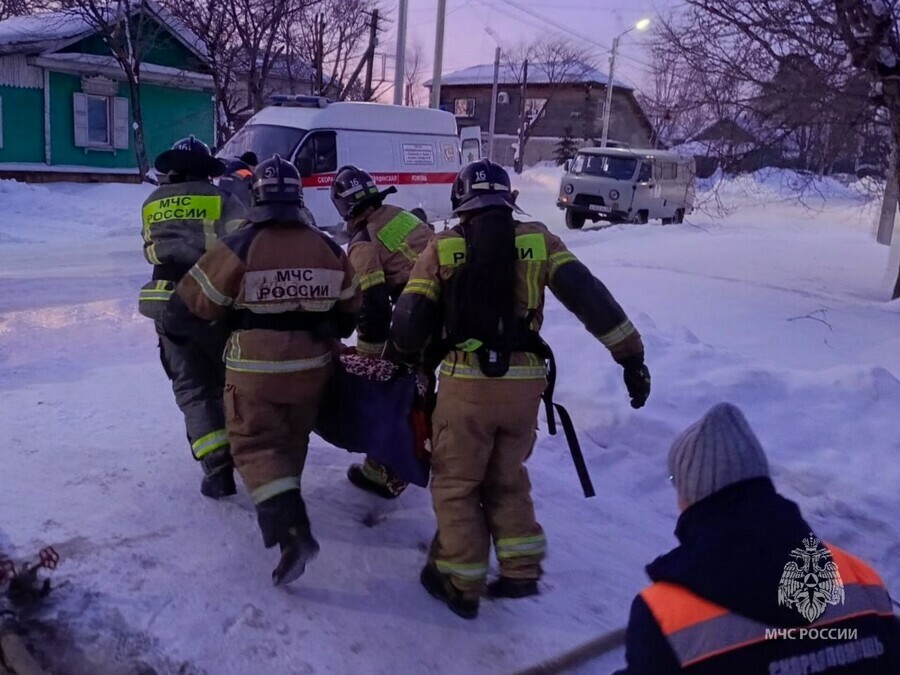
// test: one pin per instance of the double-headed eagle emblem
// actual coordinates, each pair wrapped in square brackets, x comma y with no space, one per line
[811,582]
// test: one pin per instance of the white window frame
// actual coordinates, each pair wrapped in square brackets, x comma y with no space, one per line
[466,112]
[108,103]
[535,107]
[117,121]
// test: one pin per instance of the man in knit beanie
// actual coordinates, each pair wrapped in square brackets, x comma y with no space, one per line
[750,575]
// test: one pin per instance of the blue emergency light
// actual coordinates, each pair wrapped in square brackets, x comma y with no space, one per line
[299,100]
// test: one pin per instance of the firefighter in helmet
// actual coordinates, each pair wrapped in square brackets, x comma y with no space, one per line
[483,284]
[290,294]
[182,219]
[385,241]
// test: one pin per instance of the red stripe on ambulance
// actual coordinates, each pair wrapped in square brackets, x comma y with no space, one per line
[382,179]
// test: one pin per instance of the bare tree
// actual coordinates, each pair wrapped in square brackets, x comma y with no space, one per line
[672,99]
[259,30]
[211,22]
[11,8]
[412,73]
[869,28]
[331,36]
[554,63]
[777,67]
[130,29]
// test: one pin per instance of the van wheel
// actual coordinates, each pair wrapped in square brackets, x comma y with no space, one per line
[679,216]
[574,220]
[641,217]
[667,221]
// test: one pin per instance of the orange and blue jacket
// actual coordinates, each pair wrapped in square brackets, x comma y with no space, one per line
[713,608]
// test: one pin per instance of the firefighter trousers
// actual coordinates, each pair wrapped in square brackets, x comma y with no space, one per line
[484,431]
[270,417]
[197,373]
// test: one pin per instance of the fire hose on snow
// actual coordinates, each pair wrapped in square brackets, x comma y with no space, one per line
[578,656]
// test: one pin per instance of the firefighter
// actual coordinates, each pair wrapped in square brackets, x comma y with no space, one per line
[750,589]
[238,177]
[182,219]
[384,243]
[290,293]
[483,282]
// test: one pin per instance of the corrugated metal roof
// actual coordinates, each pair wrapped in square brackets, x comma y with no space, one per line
[538,73]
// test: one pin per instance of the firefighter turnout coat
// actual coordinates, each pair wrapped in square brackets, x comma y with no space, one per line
[290,293]
[383,248]
[484,428]
[181,221]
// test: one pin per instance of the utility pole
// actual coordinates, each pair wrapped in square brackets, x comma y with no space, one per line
[400,67]
[609,92]
[520,153]
[438,54]
[320,54]
[370,63]
[494,104]
[889,203]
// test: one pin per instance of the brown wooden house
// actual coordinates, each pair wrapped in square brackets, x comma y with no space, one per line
[561,101]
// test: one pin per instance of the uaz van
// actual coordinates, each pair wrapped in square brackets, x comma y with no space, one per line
[415,149]
[623,185]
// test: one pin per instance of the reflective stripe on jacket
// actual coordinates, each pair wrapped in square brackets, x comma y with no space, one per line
[543,261]
[706,637]
[383,250]
[269,270]
[181,222]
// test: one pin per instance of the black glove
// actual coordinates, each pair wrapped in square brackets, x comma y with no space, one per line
[637,380]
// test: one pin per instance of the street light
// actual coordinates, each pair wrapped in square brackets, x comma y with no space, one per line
[490,31]
[641,25]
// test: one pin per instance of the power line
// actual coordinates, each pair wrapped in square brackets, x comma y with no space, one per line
[544,21]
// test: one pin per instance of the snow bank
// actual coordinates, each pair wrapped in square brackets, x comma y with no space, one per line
[775,306]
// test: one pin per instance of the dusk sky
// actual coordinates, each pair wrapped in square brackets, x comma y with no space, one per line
[467,43]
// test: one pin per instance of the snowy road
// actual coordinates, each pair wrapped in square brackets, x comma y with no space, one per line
[778,310]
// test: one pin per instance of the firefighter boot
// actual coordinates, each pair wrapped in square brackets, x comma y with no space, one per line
[377,479]
[441,588]
[218,475]
[506,587]
[283,521]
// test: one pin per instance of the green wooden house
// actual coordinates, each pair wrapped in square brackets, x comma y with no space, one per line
[65,112]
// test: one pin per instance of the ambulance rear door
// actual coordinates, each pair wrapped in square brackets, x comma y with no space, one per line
[470,144]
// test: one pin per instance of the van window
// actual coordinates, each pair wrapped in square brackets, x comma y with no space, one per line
[646,173]
[318,154]
[578,164]
[619,168]
[668,171]
[471,150]
[263,139]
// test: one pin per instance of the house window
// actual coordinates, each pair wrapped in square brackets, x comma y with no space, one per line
[101,122]
[98,121]
[534,107]
[464,107]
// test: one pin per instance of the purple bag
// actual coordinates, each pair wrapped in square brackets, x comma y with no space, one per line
[369,407]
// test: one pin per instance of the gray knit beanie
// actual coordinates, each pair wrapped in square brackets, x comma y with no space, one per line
[714,452]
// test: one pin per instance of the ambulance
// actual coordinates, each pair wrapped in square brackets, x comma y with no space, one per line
[416,150]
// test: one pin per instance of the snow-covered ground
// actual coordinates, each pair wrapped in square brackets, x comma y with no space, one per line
[777,307]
